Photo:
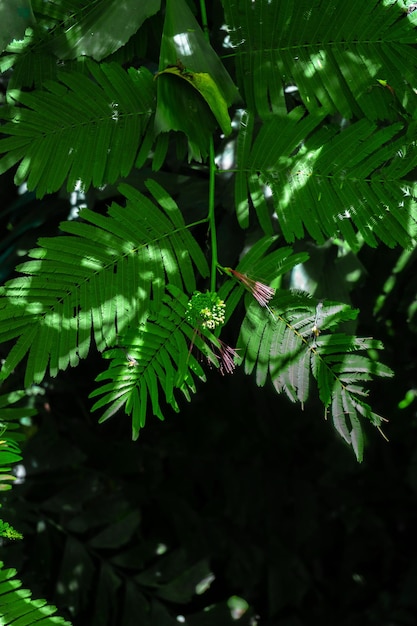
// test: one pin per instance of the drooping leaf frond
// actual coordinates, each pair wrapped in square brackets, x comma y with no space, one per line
[285,344]
[329,180]
[153,356]
[332,53]
[19,609]
[340,377]
[83,129]
[98,279]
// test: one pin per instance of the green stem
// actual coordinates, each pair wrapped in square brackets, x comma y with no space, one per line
[212,165]
[212,218]
[204,19]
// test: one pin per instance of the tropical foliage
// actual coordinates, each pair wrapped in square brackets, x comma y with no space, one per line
[205,157]
[17,606]
[336,165]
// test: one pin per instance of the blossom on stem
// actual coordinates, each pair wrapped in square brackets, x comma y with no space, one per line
[206,310]
[261,292]
[227,358]
[219,353]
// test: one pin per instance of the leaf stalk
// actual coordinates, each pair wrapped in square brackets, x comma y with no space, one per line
[212,172]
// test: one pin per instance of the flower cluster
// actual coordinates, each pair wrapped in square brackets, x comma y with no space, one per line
[262,293]
[227,358]
[219,353]
[206,310]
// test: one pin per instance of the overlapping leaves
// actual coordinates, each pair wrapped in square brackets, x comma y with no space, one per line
[331,165]
[332,53]
[156,355]
[327,180]
[98,280]
[82,129]
[286,344]
[70,29]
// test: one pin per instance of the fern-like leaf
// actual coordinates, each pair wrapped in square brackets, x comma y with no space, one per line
[154,356]
[286,344]
[348,177]
[17,608]
[331,181]
[8,531]
[81,128]
[333,68]
[14,22]
[100,278]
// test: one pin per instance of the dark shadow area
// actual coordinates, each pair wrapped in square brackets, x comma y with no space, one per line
[242,485]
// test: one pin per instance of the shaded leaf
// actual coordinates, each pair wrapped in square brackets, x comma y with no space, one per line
[102,27]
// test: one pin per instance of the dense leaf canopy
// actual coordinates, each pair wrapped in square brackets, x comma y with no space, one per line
[199,193]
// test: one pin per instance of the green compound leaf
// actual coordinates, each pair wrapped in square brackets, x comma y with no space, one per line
[96,280]
[17,606]
[154,357]
[79,129]
[293,343]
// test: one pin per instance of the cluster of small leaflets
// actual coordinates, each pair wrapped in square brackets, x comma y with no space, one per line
[206,310]
[7,531]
